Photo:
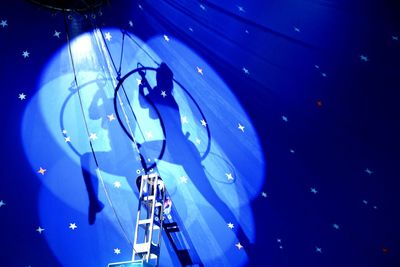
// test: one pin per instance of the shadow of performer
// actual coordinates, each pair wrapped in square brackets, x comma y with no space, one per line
[118,160]
[179,149]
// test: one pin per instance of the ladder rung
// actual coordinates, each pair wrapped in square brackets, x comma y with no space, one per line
[148,198]
[141,248]
[144,248]
[145,221]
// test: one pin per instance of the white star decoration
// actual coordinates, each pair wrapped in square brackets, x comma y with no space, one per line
[166,38]
[184,120]
[318,249]
[64,131]
[199,70]
[364,58]
[22,96]
[130,23]
[149,135]
[263,194]
[231,225]
[56,34]
[368,171]
[241,127]
[25,54]
[246,71]
[241,9]
[117,251]
[111,117]
[204,123]
[2,203]
[183,179]
[3,23]
[163,93]
[93,136]
[72,226]
[198,141]
[39,230]
[284,118]
[313,190]
[139,81]
[239,246]
[336,226]
[229,176]
[108,36]
[67,139]
[117,184]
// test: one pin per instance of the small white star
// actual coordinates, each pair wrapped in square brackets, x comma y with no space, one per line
[166,38]
[364,58]
[368,171]
[313,190]
[199,70]
[117,184]
[375,207]
[149,135]
[140,6]
[117,251]
[241,9]
[25,54]
[2,203]
[184,120]
[56,34]
[93,136]
[317,249]
[163,93]
[316,66]
[284,118]
[204,123]
[279,240]
[67,139]
[291,151]
[202,7]
[239,246]
[72,226]
[296,29]
[111,117]
[230,225]
[264,194]
[229,176]
[183,179]
[336,226]
[39,230]
[64,131]
[139,81]
[108,36]
[22,96]
[198,141]
[245,70]
[130,23]
[241,127]
[323,74]
[365,202]
[395,38]
[191,29]
[3,23]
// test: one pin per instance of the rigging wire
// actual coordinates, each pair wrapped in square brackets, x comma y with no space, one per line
[88,133]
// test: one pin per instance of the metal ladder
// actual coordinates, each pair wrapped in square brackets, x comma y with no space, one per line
[149,220]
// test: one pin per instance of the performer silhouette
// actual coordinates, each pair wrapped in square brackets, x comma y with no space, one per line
[179,149]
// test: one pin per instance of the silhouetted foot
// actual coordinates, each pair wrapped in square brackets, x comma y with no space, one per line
[94,207]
